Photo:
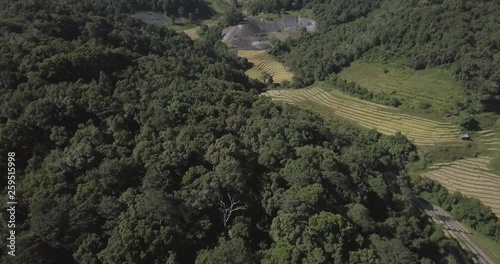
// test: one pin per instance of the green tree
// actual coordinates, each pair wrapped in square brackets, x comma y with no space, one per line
[228,251]
[392,251]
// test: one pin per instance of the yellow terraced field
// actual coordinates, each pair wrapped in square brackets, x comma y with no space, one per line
[387,120]
[264,62]
[192,32]
[471,177]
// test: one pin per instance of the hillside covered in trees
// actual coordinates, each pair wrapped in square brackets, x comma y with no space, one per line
[134,144]
[461,35]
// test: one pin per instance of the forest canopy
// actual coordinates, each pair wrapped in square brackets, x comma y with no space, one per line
[136,144]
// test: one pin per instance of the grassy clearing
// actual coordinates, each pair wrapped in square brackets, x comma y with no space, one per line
[306,12]
[193,32]
[266,63]
[219,6]
[490,247]
[430,90]
[387,120]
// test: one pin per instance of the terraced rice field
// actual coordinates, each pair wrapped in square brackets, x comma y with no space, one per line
[435,87]
[255,73]
[387,120]
[490,140]
[471,177]
[265,63]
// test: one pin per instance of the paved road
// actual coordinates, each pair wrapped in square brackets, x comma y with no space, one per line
[453,228]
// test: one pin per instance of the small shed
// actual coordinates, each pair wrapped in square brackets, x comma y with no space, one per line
[464,137]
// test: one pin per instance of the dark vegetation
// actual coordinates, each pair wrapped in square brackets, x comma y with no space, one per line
[276,6]
[176,8]
[232,16]
[135,144]
[462,35]
[467,210]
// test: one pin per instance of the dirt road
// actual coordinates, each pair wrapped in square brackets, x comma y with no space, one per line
[454,229]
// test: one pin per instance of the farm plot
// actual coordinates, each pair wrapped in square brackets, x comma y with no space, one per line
[265,63]
[489,139]
[433,89]
[387,120]
[471,177]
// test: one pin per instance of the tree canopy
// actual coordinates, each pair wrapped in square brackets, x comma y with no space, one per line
[136,144]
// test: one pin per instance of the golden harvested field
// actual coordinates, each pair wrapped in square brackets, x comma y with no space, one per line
[192,32]
[387,120]
[265,63]
[471,177]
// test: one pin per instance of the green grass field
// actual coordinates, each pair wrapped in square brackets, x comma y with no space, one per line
[255,73]
[219,6]
[428,91]
[489,246]
[193,32]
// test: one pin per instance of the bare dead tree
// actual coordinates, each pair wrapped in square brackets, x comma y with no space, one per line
[229,208]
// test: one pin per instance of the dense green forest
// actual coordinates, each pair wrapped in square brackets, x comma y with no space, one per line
[461,35]
[134,144]
[197,8]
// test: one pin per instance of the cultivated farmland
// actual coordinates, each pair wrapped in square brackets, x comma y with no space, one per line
[489,139]
[265,63]
[471,177]
[387,120]
[429,89]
